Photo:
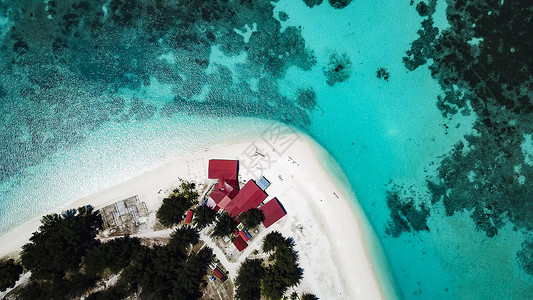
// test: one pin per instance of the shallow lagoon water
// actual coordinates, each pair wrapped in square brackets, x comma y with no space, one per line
[378,130]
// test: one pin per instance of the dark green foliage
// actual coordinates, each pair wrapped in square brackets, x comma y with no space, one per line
[224,226]
[9,273]
[248,281]
[284,271]
[203,216]
[118,291]
[252,217]
[339,3]
[74,287]
[168,272]
[272,240]
[115,255]
[183,237]
[174,207]
[60,243]
[309,297]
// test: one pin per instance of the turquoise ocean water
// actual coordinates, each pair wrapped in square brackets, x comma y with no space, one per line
[93,93]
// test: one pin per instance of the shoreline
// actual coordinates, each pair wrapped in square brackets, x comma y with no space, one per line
[338,213]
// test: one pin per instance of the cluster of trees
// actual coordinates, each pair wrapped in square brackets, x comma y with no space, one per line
[174,207]
[224,226]
[204,216]
[9,273]
[252,217]
[66,261]
[272,278]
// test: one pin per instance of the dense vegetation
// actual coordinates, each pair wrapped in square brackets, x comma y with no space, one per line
[9,273]
[224,226]
[67,261]
[61,242]
[203,216]
[272,278]
[283,271]
[174,207]
[248,282]
[252,217]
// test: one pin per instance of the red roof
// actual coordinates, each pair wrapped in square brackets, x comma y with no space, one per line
[273,211]
[244,236]
[240,243]
[188,218]
[250,196]
[219,274]
[217,195]
[230,206]
[224,171]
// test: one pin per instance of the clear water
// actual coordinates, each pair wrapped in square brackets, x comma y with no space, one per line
[81,138]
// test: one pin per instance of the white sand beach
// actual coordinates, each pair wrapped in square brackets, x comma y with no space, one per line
[331,238]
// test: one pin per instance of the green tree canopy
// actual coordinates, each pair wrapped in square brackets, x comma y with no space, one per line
[224,226]
[115,255]
[284,271]
[173,208]
[203,216]
[9,273]
[248,282]
[252,217]
[309,297]
[61,242]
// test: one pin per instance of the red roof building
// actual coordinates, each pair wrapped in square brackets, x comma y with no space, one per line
[188,218]
[240,243]
[224,171]
[219,274]
[244,236]
[273,211]
[250,196]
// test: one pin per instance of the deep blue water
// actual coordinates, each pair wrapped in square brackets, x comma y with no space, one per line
[95,92]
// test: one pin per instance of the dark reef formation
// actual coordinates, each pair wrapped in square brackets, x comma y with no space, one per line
[483,63]
[339,68]
[382,73]
[63,63]
[339,4]
[306,98]
[312,3]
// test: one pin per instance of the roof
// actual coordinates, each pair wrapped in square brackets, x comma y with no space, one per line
[244,236]
[188,218]
[250,196]
[219,274]
[273,211]
[217,195]
[263,183]
[240,243]
[224,171]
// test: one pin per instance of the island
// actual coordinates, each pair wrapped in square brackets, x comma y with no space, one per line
[270,218]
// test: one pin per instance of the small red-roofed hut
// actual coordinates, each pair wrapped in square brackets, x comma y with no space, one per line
[239,243]
[244,236]
[219,274]
[250,196]
[273,211]
[188,217]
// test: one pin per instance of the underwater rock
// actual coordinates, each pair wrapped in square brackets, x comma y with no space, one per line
[338,69]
